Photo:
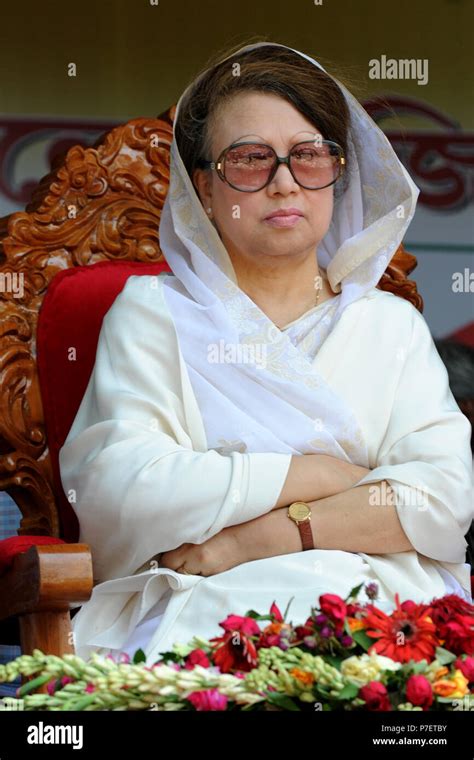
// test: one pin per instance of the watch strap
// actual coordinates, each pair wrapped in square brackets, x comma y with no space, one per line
[306,535]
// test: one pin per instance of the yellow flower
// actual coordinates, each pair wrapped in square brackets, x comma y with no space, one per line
[456,686]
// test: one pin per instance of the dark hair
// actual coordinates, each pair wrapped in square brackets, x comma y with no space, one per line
[271,69]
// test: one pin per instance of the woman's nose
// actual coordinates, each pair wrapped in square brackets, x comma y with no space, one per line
[283,175]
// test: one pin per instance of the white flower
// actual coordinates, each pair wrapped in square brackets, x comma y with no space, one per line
[365,668]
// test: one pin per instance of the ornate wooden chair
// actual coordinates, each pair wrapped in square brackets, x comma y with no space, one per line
[91,223]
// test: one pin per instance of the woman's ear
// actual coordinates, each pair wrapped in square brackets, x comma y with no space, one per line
[202,183]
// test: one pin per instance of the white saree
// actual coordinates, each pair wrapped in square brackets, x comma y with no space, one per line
[170,446]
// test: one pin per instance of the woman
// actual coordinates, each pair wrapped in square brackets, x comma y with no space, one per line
[267,369]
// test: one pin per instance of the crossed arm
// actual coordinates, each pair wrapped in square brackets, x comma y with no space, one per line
[343,517]
[346,521]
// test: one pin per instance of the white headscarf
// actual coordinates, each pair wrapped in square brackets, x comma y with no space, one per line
[277,401]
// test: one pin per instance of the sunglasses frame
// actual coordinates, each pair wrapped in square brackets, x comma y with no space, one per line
[218,165]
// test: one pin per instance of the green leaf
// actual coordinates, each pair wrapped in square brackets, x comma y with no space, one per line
[287,608]
[256,615]
[167,656]
[420,666]
[139,656]
[349,691]
[354,592]
[333,660]
[282,700]
[444,656]
[361,638]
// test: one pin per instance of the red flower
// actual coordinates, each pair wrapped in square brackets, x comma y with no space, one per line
[443,610]
[458,635]
[334,607]
[208,699]
[454,619]
[245,625]
[307,629]
[57,683]
[375,696]
[466,667]
[419,692]
[234,655]
[197,657]
[235,650]
[270,636]
[353,609]
[410,607]
[276,612]
[406,634]
[275,635]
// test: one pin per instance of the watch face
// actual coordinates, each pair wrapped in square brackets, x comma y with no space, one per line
[299,510]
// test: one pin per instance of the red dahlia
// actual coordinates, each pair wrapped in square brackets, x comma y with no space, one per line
[408,633]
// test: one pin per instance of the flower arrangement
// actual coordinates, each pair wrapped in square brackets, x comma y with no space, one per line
[347,655]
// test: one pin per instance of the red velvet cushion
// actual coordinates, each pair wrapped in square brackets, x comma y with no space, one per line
[71,315]
[10,547]
[464,335]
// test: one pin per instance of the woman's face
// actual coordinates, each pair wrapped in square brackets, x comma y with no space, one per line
[239,216]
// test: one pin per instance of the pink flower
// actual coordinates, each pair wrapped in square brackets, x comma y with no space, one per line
[197,657]
[208,699]
[375,696]
[89,688]
[274,610]
[120,658]
[155,665]
[409,607]
[334,607]
[53,685]
[245,625]
[419,691]
[466,667]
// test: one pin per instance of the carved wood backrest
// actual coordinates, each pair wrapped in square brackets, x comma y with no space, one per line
[98,203]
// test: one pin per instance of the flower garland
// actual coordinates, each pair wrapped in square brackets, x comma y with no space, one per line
[346,656]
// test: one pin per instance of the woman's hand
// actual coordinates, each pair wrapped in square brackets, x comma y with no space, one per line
[219,553]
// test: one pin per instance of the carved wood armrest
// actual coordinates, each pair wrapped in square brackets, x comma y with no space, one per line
[40,587]
[52,577]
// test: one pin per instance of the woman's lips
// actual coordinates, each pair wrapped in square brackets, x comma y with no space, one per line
[284,221]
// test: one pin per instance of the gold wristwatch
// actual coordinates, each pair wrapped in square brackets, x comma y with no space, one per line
[300,513]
